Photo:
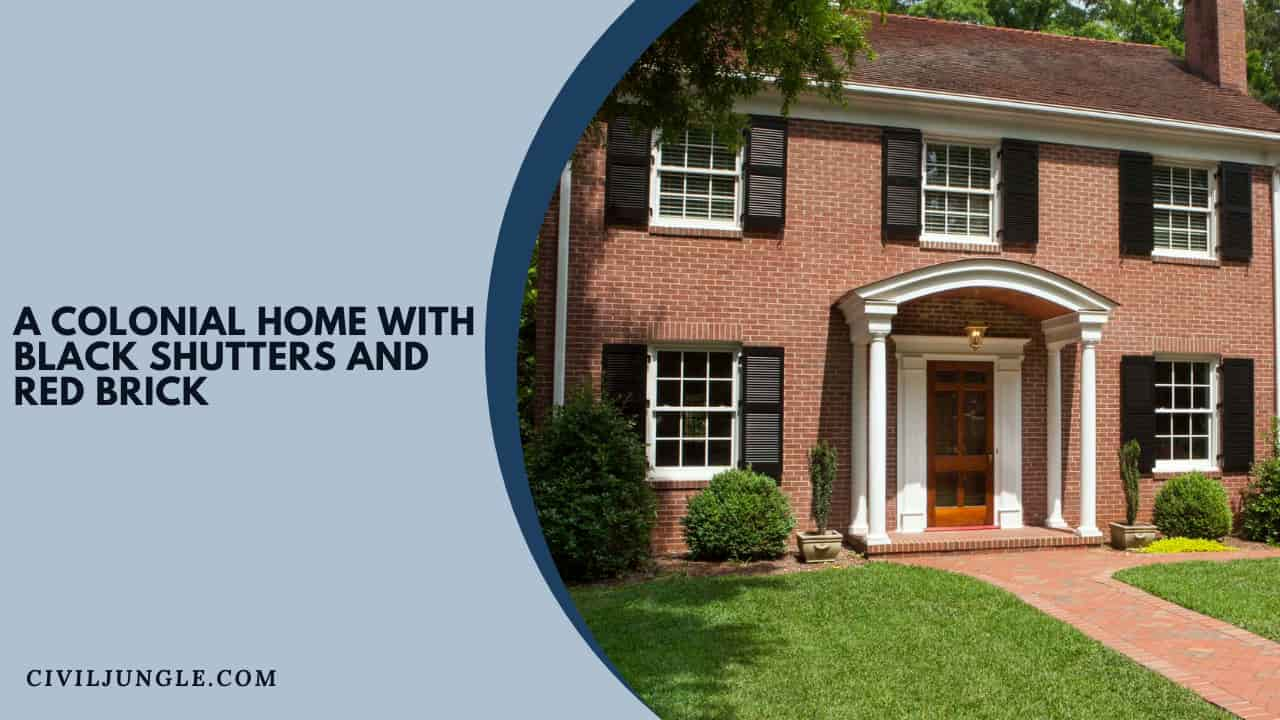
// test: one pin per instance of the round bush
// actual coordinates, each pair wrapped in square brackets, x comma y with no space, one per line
[1193,506]
[587,472]
[1260,511]
[742,515]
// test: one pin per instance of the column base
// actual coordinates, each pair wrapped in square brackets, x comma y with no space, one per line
[881,539]
[858,531]
[1057,524]
[1088,532]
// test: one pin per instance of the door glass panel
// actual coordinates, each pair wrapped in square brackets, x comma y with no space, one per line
[946,405]
[975,378]
[947,376]
[975,489]
[975,423]
[945,494]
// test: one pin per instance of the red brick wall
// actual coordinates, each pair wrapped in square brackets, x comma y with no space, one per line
[627,285]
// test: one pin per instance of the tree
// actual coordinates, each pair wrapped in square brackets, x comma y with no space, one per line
[721,51]
[970,11]
[1262,38]
[526,357]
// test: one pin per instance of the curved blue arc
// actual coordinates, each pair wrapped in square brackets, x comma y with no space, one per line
[638,26]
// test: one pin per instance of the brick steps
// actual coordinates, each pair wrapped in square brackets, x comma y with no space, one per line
[974,541]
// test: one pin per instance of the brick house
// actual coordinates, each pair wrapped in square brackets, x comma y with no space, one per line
[1009,253]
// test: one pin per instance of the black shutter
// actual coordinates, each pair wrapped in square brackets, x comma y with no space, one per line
[1137,406]
[762,410]
[626,193]
[1237,414]
[1235,208]
[625,369]
[766,174]
[1020,183]
[900,183]
[1137,231]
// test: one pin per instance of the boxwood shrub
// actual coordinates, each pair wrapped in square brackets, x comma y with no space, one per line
[741,515]
[587,472]
[1260,510]
[1193,506]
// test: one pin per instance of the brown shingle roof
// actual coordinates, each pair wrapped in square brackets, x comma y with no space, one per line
[950,57]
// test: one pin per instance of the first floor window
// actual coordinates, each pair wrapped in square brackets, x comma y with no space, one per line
[694,408]
[697,180]
[1184,405]
[958,191]
[1181,209]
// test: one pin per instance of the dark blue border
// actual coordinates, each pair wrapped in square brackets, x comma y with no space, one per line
[615,51]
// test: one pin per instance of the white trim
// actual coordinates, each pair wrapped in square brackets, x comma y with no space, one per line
[956,347]
[694,473]
[562,284]
[991,240]
[1211,236]
[656,168]
[1208,464]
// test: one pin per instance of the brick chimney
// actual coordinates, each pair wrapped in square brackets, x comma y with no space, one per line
[1215,41]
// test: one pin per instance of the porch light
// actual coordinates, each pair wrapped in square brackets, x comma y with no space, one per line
[976,331]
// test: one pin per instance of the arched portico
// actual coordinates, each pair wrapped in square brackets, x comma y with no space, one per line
[1068,312]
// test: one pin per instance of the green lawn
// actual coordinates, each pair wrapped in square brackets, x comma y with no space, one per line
[1245,593]
[876,641]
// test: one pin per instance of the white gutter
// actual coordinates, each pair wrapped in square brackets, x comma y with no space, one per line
[562,282]
[1275,271]
[1059,110]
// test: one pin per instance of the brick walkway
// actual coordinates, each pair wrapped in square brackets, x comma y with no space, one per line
[1229,667]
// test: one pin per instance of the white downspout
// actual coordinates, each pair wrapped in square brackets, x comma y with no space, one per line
[562,283]
[1275,272]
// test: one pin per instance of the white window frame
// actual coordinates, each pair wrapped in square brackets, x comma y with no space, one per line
[994,227]
[1211,463]
[655,195]
[652,410]
[1211,243]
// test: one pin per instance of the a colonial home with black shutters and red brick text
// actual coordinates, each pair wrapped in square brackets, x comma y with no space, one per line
[1006,255]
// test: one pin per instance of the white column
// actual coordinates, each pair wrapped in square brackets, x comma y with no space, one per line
[1088,439]
[877,404]
[858,522]
[1054,438]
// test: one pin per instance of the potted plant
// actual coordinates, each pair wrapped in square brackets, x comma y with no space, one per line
[1131,533]
[823,545]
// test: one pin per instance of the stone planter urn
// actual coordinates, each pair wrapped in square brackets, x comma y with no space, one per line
[819,547]
[1128,537]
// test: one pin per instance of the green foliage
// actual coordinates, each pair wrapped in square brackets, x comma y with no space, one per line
[822,476]
[1129,456]
[587,472]
[723,50]
[970,11]
[1193,506]
[741,515]
[1262,38]
[1260,511]
[1165,546]
[526,358]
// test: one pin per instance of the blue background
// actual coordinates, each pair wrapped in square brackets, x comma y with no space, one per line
[352,531]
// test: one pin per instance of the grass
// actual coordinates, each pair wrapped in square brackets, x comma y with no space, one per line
[875,641]
[1184,545]
[1245,593]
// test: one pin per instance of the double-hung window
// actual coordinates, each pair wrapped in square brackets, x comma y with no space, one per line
[1182,210]
[693,399]
[1185,399]
[959,195]
[697,182]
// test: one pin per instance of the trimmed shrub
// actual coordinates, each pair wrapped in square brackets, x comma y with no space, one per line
[1260,510]
[1129,455]
[1193,506]
[741,515]
[822,476]
[587,472]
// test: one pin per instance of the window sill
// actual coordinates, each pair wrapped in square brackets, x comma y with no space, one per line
[669,483]
[1205,261]
[1165,472]
[696,232]
[959,245]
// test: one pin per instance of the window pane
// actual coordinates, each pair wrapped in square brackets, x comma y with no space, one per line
[720,424]
[935,202]
[669,392]
[1164,397]
[975,489]
[695,365]
[1182,373]
[978,226]
[695,425]
[1164,372]
[672,154]
[1182,397]
[695,453]
[669,206]
[669,364]
[1200,424]
[695,393]
[697,207]
[699,156]
[1200,373]
[1200,398]
[666,453]
[668,425]
[720,453]
[944,495]
[1165,449]
[1181,424]
[1200,449]
[721,365]
[721,393]
[935,223]
[722,209]
[1181,448]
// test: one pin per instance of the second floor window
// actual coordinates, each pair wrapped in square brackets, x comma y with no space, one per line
[958,191]
[697,182]
[1182,210]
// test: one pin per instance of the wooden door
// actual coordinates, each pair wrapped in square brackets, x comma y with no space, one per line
[961,444]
